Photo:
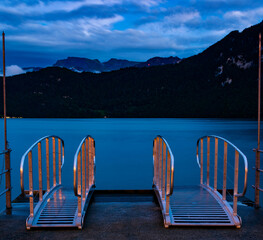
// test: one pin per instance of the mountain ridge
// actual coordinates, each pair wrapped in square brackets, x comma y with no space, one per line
[220,82]
[79,64]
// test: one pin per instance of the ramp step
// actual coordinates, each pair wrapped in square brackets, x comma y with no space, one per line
[196,206]
[60,210]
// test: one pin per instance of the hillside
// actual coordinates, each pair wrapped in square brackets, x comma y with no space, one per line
[219,82]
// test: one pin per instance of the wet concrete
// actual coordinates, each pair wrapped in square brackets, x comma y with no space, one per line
[130,220]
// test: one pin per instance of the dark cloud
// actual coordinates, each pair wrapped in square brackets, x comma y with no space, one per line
[43,31]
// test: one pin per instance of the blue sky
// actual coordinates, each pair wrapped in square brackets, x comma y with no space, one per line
[40,32]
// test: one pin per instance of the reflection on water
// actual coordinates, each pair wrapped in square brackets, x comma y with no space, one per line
[124,146]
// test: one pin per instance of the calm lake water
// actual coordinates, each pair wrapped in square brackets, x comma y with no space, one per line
[124,146]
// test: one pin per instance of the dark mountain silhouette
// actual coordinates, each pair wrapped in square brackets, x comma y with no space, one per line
[88,65]
[116,64]
[80,64]
[159,61]
[31,69]
[219,82]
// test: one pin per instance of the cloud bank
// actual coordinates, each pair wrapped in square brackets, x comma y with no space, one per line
[12,70]
[131,29]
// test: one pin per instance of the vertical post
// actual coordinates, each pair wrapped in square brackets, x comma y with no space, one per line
[258,148]
[93,161]
[40,171]
[4,90]
[79,186]
[47,163]
[160,165]
[154,161]
[164,170]
[208,161]
[157,162]
[168,183]
[59,161]
[7,155]
[30,179]
[225,171]
[54,161]
[235,183]
[90,162]
[8,180]
[202,161]
[87,163]
[83,168]
[216,161]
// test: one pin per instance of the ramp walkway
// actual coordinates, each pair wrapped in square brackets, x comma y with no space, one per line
[202,205]
[57,206]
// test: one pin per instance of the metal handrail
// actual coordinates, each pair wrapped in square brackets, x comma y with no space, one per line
[163,174]
[170,192]
[5,151]
[1,153]
[39,151]
[84,170]
[7,172]
[237,153]
[238,150]
[172,167]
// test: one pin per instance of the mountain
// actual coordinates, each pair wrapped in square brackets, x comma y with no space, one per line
[116,64]
[80,64]
[87,65]
[31,69]
[220,82]
[159,61]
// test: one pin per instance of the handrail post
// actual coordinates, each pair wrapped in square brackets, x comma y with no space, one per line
[154,161]
[208,161]
[160,165]
[164,169]
[235,183]
[257,178]
[83,168]
[225,170]
[157,161]
[59,161]
[90,162]
[54,161]
[216,163]
[40,171]
[87,163]
[168,183]
[202,161]
[8,179]
[79,186]
[30,178]
[47,164]
[93,161]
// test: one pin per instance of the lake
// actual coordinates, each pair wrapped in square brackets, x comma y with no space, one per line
[124,146]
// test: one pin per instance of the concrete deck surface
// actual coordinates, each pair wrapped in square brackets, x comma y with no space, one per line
[130,220]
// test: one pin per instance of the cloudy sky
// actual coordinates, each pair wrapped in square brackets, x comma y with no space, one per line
[38,32]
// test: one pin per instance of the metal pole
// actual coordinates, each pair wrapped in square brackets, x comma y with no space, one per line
[7,155]
[259,88]
[208,161]
[258,148]
[4,95]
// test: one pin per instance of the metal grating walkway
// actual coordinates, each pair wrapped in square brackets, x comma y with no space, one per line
[201,205]
[60,210]
[194,205]
[57,206]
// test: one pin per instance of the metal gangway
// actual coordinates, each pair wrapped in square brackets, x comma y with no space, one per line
[204,204]
[57,206]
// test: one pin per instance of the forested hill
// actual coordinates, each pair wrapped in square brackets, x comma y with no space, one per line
[219,82]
